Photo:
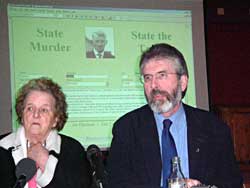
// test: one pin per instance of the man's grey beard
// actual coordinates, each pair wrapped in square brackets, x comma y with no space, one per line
[162,106]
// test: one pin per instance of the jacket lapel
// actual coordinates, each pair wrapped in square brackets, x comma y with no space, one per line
[197,140]
[150,146]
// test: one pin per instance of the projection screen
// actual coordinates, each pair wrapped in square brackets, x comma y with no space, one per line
[53,39]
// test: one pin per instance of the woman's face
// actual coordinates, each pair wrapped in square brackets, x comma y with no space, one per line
[38,116]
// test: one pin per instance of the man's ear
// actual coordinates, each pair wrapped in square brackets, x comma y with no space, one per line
[184,82]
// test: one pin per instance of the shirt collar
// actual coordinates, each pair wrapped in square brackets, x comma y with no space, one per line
[174,118]
[96,53]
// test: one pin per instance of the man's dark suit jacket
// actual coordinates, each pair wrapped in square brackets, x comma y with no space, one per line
[135,158]
[106,54]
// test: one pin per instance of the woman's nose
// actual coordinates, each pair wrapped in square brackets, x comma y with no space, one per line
[36,113]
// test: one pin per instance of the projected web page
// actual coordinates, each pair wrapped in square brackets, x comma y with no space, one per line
[59,43]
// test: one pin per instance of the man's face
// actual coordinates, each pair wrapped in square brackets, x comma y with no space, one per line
[162,86]
[99,43]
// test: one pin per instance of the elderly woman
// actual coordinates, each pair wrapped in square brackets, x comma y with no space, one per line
[42,112]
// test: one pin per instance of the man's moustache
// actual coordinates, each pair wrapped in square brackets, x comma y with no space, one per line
[157,92]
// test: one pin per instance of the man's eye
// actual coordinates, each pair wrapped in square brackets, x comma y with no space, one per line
[162,75]
[147,77]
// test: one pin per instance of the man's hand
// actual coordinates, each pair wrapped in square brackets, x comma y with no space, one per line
[192,182]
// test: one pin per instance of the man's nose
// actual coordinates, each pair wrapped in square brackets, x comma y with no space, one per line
[154,82]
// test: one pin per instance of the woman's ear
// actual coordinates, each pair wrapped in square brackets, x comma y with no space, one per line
[55,122]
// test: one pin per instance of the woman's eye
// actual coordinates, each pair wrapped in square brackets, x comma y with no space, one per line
[30,109]
[44,110]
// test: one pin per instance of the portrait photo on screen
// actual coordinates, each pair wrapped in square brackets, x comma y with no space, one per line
[99,43]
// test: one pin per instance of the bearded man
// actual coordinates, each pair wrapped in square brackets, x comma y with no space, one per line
[137,156]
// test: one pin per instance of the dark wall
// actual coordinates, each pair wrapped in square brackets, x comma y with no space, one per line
[228,52]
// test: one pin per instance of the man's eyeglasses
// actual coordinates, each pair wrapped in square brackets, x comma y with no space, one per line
[160,76]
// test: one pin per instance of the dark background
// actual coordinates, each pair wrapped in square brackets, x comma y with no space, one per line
[228,52]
